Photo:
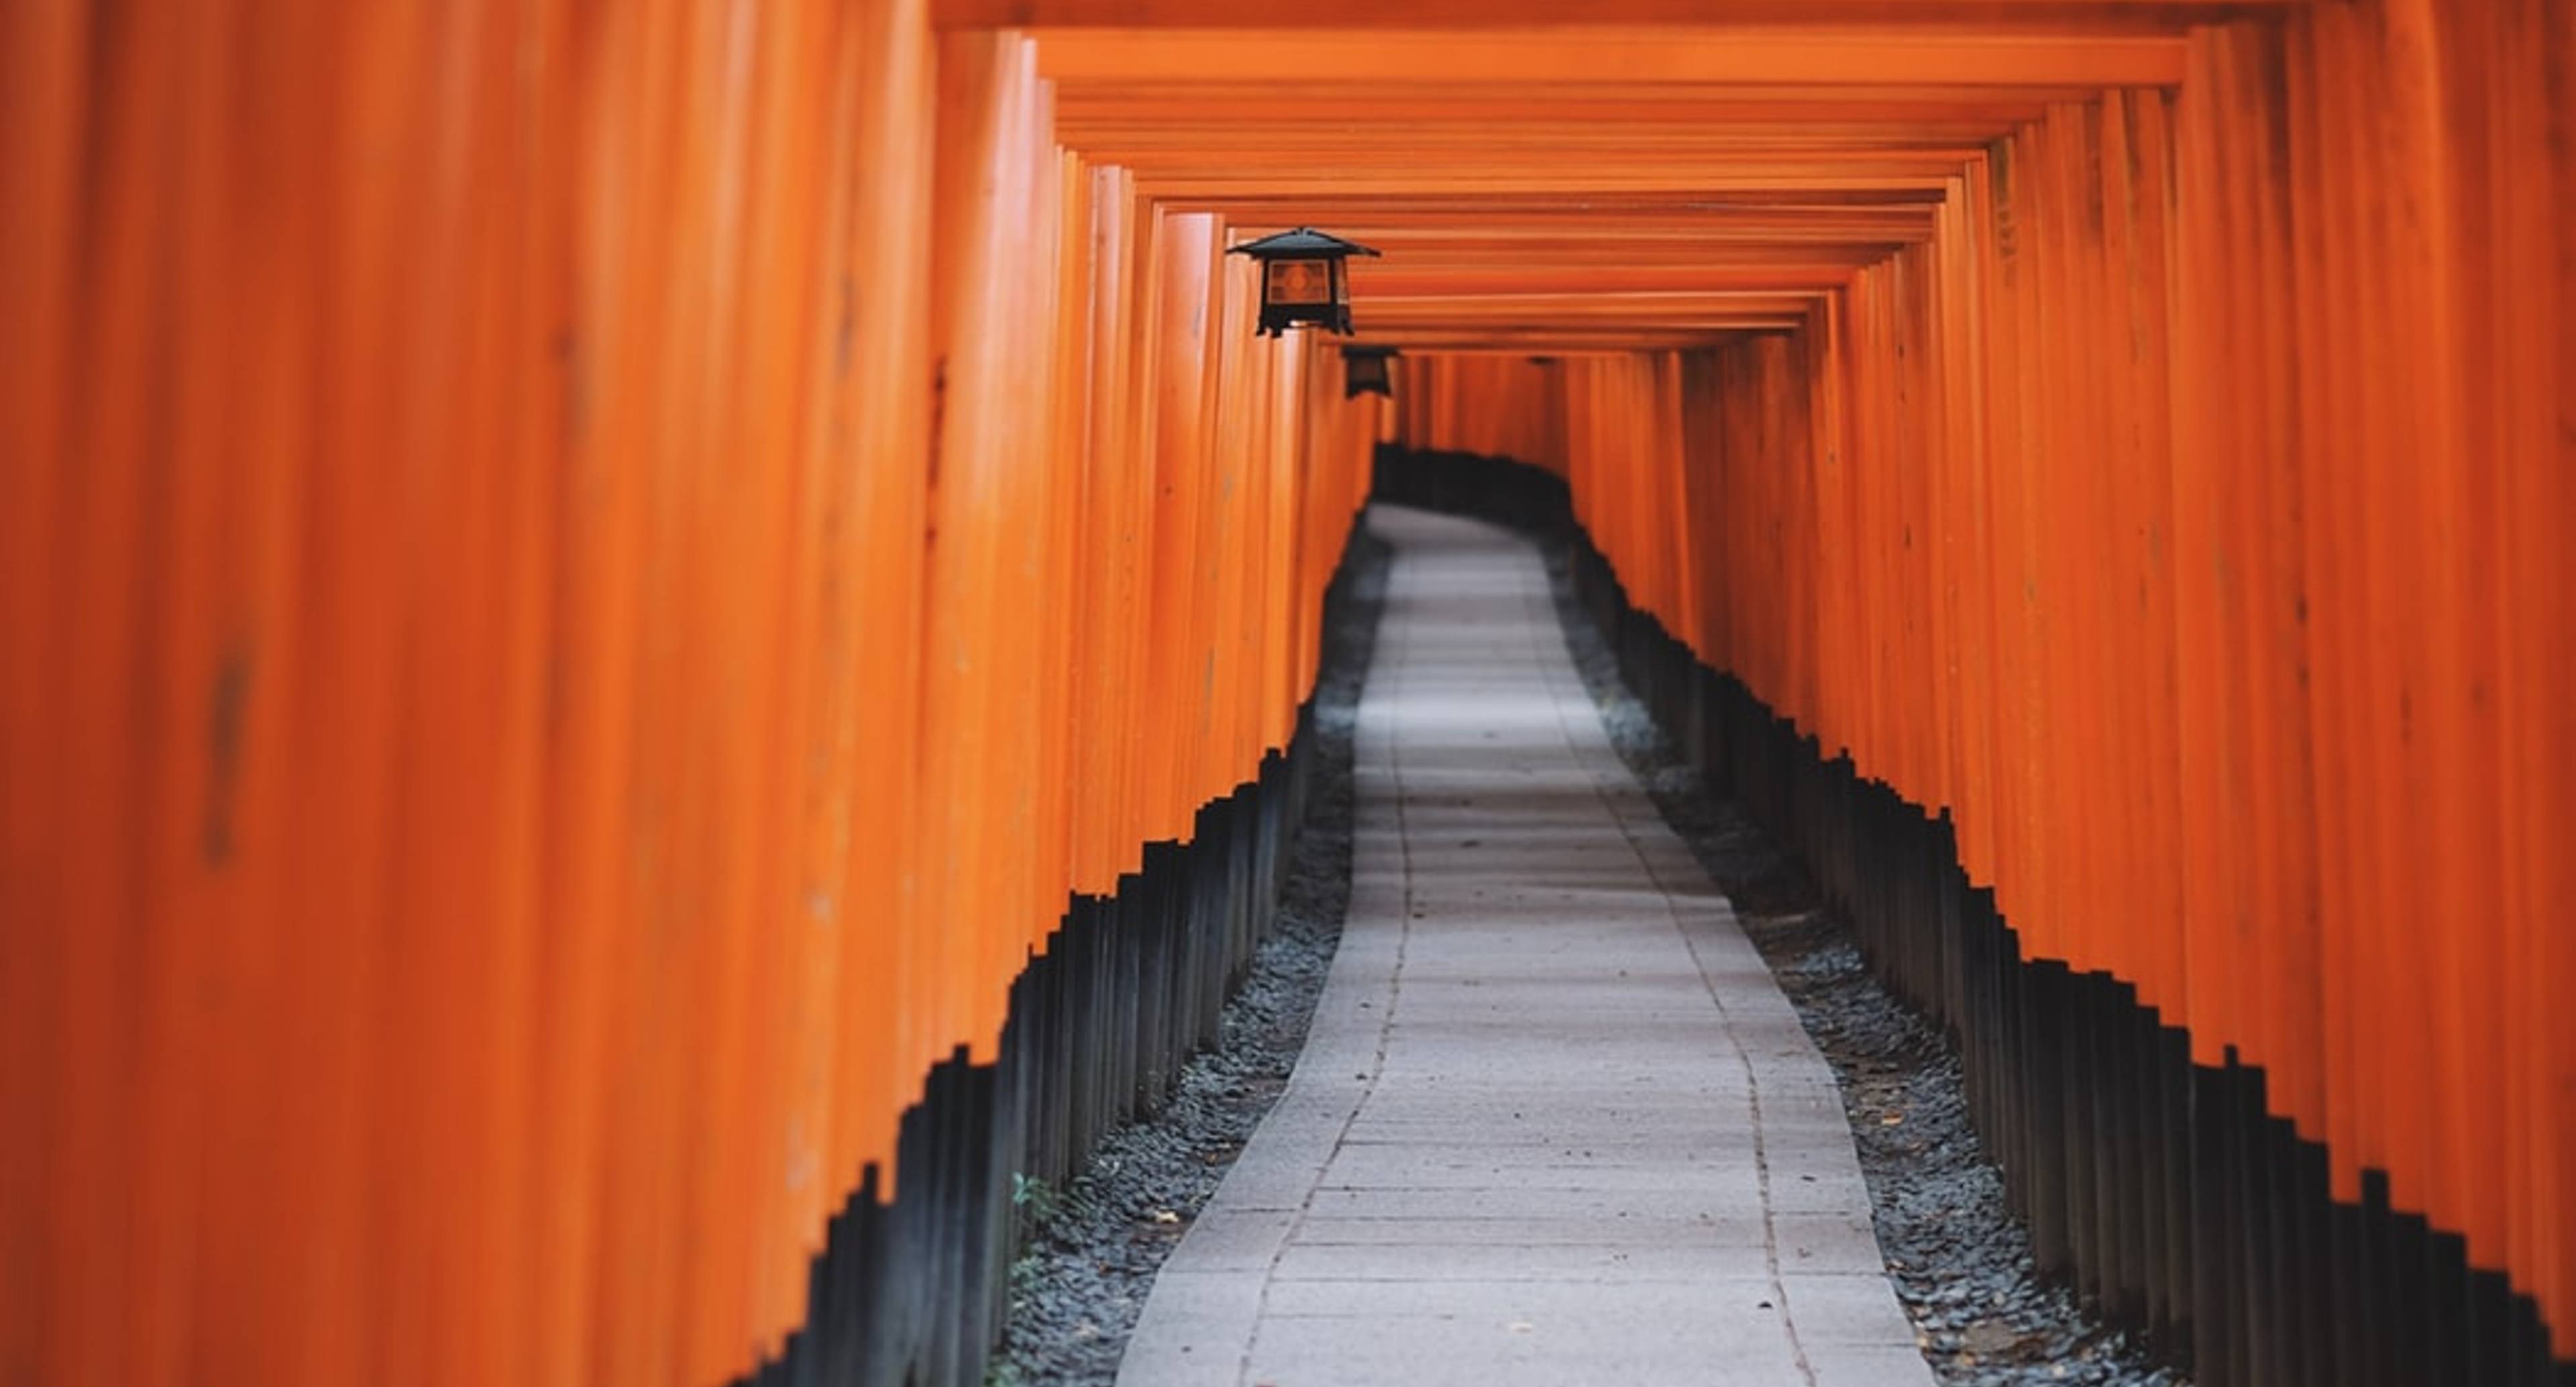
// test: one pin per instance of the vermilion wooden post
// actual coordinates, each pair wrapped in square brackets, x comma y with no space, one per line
[576,595]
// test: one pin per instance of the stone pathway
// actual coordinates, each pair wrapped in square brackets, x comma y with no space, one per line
[1554,1123]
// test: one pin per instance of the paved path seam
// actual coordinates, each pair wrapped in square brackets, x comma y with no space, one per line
[1575,708]
[1554,1123]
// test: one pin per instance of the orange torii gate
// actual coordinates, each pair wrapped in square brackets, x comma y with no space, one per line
[583,589]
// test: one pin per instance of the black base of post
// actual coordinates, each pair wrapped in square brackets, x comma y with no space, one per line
[2164,1191]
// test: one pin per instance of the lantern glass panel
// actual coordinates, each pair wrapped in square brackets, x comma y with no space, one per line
[1299,281]
[1365,373]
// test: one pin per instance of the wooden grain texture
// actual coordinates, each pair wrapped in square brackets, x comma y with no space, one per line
[580,584]
[2173,517]
[560,563]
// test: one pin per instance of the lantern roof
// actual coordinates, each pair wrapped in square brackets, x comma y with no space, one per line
[1305,241]
[1369,349]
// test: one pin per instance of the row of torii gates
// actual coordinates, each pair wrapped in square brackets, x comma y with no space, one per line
[589,591]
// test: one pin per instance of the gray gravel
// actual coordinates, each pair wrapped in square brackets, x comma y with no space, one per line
[1960,1262]
[1092,1249]
[1961,1265]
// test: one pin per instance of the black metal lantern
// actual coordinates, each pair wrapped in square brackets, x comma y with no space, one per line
[1364,372]
[1303,280]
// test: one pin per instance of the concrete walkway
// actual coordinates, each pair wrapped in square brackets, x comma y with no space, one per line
[1555,1124]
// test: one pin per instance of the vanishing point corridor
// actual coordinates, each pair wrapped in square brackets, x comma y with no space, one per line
[1554,1122]
[680,693]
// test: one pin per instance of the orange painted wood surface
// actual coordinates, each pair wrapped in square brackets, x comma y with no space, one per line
[577,589]
[579,584]
[2181,516]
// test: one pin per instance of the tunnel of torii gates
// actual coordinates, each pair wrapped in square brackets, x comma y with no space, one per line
[644,646]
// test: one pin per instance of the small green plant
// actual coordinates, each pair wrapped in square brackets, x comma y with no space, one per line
[1035,1200]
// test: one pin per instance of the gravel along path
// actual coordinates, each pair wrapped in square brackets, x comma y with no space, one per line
[1961,1264]
[1556,1122]
[1091,1250]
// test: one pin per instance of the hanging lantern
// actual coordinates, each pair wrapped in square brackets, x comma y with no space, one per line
[1303,280]
[1365,372]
